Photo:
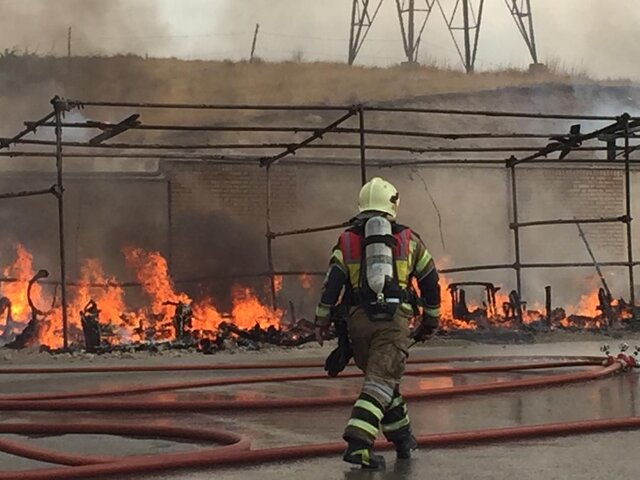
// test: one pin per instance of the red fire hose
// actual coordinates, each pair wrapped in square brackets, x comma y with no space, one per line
[288,378]
[269,366]
[236,448]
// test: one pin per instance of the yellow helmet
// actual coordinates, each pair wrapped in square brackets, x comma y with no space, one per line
[378,195]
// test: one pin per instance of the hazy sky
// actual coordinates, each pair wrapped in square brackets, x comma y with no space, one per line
[597,36]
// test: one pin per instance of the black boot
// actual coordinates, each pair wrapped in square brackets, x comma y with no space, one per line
[405,445]
[361,453]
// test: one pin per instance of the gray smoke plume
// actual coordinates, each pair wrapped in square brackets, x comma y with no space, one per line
[98,27]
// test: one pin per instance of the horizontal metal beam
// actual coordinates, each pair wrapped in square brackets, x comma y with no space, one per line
[209,106]
[491,113]
[53,190]
[372,108]
[296,129]
[513,266]
[620,219]
[477,268]
[309,230]
[241,159]
[293,147]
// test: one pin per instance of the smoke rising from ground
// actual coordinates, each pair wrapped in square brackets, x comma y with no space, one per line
[593,36]
[98,27]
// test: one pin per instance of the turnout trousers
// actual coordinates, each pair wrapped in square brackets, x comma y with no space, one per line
[380,350]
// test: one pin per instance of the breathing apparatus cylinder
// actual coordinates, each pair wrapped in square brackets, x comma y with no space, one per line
[379,265]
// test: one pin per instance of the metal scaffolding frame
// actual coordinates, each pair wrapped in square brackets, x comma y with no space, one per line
[270,154]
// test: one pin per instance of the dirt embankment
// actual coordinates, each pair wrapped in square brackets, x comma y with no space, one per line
[27,83]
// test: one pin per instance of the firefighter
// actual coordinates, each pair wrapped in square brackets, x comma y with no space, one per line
[372,268]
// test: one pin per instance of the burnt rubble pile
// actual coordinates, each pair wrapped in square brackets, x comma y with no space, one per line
[494,321]
[512,321]
[99,338]
[184,336]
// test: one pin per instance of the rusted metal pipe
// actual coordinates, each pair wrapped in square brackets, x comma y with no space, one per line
[489,113]
[302,231]
[516,230]
[628,208]
[363,147]
[31,193]
[293,149]
[547,303]
[297,146]
[59,108]
[269,237]
[297,129]
[373,108]
[6,142]
[619,219]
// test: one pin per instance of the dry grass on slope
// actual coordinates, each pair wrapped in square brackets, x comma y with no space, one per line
[172,80]
[27,82]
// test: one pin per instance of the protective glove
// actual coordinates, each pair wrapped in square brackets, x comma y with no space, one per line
[339,358]
[427,328]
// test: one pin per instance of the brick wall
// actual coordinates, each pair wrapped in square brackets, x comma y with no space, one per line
[237,190]
[554,193]
[218,217]
[208,198]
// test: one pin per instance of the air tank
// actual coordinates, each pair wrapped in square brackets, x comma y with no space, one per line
[378,255]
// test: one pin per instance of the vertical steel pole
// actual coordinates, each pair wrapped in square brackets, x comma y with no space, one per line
[253,44]
[548,304]
[363,147]
[69,42]
[477,35]
[534,51]
[411,32]
[272,276]
[60,196]
[170,224]
[467,37]
[516,231]
[352,39]
[627,192]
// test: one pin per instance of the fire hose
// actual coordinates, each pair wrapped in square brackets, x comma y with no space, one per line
[230,449]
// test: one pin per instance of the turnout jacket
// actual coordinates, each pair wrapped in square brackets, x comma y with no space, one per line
[413,265]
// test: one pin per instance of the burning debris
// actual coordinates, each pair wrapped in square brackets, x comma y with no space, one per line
[596,311]
[101,321]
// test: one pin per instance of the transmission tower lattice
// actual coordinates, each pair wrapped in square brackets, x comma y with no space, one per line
[465,17]
[521,11]
[361,20]
[411,17]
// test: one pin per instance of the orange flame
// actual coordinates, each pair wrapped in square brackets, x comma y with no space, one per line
[206,317]
[152,271]
[277,281]
[306,281]
[587,305]
[248,311]
[21,270]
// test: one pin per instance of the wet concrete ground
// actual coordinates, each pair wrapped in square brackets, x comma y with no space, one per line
[601,456]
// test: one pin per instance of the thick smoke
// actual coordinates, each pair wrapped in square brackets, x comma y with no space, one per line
[598,37]
[594,36]
[98,27]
